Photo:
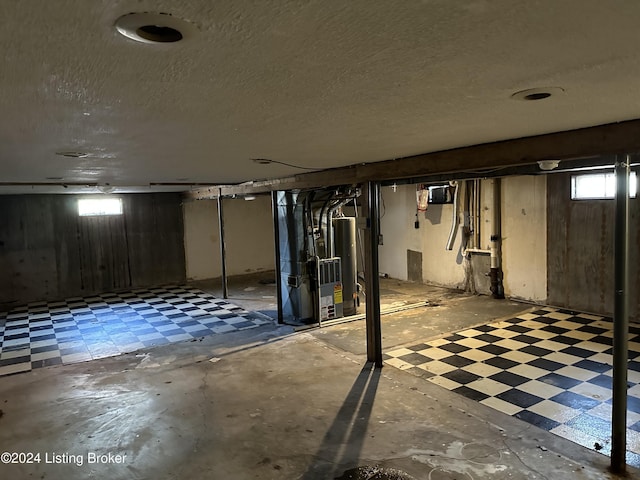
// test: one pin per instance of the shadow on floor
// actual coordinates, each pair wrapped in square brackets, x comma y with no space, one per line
[343,441]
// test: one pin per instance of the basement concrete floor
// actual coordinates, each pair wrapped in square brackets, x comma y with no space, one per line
[268,403]
[265,403]
[446,311]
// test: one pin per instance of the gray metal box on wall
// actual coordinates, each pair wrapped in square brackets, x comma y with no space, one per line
[480,264]
[330,288]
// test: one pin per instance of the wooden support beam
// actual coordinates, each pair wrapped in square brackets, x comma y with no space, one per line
[609,139]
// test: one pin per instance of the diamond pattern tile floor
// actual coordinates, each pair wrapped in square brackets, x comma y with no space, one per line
[549,367]
[81,329]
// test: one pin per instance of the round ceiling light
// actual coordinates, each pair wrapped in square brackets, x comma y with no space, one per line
[149,27]
[548,164]
[533,94]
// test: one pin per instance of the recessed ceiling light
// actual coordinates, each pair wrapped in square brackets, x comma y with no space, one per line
[533,94]
[149,27]
[73,154]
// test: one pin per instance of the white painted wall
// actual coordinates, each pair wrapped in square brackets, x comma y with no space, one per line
[439,266]
[397,216]
[248,234]
[524,232]
[201,246]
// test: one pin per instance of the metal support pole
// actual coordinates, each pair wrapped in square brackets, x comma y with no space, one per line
[372,279]
[497,288]
[620,318]
[223,253]
[276,234]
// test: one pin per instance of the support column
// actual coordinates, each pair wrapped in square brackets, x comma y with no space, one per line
[620,317]
[276,234]
[223,253]
[372,278]
[497,288]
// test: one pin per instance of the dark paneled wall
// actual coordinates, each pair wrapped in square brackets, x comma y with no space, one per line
[580,250]
[48,252]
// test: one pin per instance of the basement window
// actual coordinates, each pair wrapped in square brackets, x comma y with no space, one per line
[95,207]
[598,186]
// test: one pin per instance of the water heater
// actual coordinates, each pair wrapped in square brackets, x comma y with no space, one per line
[344,229]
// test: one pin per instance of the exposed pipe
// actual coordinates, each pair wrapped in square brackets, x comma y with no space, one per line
[322,235]
[476,214]
[455,220]
[472,222]
[331,248]
[482,251]
[620,318]
[308,214]
[328,235]
[359,235]
[497,288]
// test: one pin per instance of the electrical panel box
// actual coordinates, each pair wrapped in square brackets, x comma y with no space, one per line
[330,288]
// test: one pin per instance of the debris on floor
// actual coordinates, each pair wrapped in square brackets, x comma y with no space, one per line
[375,472]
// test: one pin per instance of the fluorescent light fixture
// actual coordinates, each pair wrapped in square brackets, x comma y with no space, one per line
[94,207]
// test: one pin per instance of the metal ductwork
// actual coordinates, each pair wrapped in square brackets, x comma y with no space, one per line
[314,234]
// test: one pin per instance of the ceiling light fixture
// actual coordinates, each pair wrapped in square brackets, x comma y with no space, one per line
[106,188]
[548,164]
[149,27]
[534,94]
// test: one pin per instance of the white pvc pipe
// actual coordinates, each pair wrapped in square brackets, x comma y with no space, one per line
[455,220]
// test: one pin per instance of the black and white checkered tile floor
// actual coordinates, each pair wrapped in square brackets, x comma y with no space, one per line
[549,367]
[81,329]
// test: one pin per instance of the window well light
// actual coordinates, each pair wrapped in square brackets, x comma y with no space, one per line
[598,186]
[94,207]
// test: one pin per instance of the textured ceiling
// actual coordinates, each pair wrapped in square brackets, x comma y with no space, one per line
[312,83]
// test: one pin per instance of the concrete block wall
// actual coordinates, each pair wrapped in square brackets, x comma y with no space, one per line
[580,239]
[48,252]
